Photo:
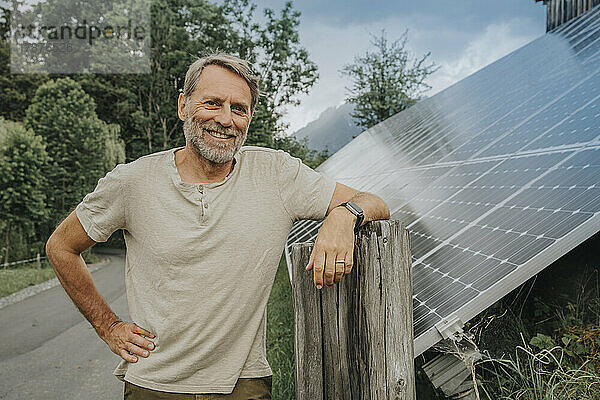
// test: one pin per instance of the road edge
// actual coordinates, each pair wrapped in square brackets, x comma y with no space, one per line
[40,287]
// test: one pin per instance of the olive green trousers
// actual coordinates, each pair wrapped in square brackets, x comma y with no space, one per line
[245,389]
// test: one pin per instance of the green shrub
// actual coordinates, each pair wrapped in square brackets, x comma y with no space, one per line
[542,374]
[557,354]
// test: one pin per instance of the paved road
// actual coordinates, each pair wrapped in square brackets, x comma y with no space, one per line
[48,350]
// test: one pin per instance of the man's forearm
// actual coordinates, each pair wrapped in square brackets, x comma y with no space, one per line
[374,208]
[73,274]
[332,255]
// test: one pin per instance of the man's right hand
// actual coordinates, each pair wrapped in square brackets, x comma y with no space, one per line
[127,340]
[64,248]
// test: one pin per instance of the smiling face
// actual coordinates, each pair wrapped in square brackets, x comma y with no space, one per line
[217,114]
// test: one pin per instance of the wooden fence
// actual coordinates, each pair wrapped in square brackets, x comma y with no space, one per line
[561,11]
[36,259]
[354,340]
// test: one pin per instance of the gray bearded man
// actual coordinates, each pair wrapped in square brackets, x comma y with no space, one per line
[205,226]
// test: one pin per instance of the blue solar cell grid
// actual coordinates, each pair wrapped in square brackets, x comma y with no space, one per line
[493,177]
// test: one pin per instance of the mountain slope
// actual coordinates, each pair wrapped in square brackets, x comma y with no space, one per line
[332,130]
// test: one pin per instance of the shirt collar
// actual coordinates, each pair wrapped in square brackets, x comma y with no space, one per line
[176,178]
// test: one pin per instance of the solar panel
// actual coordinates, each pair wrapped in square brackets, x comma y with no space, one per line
[495,177]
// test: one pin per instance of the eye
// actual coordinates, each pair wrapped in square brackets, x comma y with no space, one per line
[239,110]
[211,103]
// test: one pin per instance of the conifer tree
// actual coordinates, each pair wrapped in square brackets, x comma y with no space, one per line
[23,159]
[82,148]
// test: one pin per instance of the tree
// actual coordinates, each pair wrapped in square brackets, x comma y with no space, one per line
[300,149]
[181,33]
[144,105]
[82,148]
[283,65]
[16,90]
[23,159]
[385,81]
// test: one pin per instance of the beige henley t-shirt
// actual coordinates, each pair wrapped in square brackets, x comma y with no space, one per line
[201,260]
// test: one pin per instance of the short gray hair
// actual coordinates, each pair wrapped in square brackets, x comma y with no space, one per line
[235,64]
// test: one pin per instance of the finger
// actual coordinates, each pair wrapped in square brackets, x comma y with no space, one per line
[133,349]
[339,269]
[127,357]
[329,269]
[140,330]
[142,341]
[349,262]
[318,267]
[309,266]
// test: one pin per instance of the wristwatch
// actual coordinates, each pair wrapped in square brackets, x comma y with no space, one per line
[356,210]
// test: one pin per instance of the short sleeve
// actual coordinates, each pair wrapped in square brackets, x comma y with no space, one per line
[305,193]
[102,211]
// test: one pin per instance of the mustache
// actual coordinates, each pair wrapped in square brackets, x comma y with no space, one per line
[208,125]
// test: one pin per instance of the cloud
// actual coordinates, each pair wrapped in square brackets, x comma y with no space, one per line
[331,47]
[456,51]
[496,41]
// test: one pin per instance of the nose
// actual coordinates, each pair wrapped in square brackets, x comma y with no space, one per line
[223,117]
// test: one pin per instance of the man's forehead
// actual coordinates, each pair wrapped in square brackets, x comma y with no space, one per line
[216,80]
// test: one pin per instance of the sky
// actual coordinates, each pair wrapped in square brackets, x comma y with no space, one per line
[463,36]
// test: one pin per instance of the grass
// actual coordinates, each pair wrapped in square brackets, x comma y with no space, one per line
[539,346]
[21,276]
[557,356]
[541,341]
[280,335]
[13,280]
[540,375]
[537,369]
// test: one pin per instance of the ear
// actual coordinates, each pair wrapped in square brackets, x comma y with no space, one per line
[251,115]
[181,107]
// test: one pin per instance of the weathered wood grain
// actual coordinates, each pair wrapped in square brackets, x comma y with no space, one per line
[399,323]
[560,11]
[364,329]
[307,330]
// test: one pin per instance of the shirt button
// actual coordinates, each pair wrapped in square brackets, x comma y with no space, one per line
[205,205]
[200,189]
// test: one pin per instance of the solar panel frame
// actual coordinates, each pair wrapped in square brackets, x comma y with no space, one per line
[460,169]
[515,278]
[510,282]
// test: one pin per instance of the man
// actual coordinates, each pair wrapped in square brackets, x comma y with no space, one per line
[205,226]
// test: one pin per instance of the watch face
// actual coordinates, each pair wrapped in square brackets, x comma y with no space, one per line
[350,208]
[356,209]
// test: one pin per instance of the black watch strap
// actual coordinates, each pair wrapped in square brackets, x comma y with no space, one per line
[356,210]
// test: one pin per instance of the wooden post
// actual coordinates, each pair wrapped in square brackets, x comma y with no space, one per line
[561,11]
[548,16]
[354,340]
[38,266]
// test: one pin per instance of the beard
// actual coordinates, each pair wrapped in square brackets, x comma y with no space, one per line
[206,146]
